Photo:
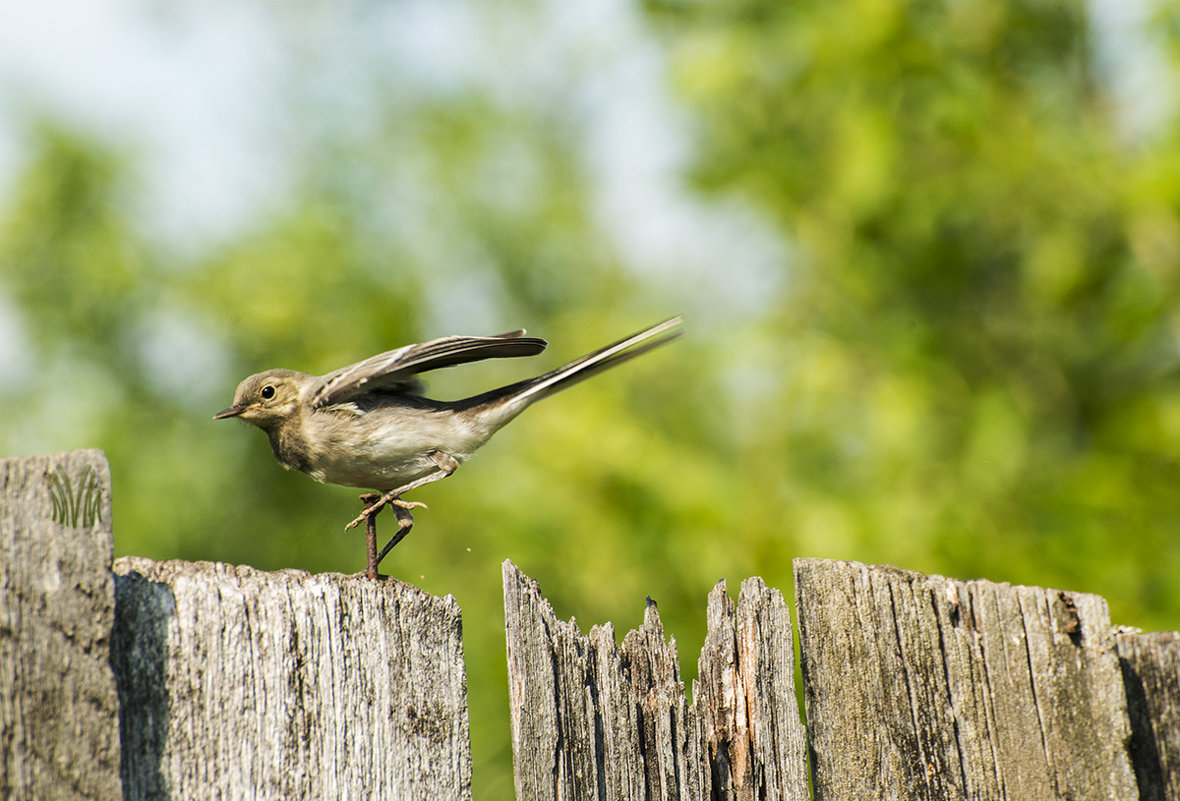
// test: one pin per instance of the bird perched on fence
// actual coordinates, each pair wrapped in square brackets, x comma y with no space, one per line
[368,425]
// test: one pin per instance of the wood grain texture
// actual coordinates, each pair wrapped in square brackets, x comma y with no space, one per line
[1151,671]
[922,687]
[241,684]
[745,694]
[595,720]
[59,736]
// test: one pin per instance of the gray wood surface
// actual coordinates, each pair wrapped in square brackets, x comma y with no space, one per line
[595,720]
[59,735]
[922,687]
[240,684]
[1151,670]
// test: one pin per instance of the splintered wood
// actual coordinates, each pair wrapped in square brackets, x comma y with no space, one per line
[595,720]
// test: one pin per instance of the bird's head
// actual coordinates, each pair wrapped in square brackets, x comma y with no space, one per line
[266,399]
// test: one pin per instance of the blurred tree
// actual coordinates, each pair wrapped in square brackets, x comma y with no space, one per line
[978,355]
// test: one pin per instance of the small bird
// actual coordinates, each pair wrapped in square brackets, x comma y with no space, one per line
[368,425]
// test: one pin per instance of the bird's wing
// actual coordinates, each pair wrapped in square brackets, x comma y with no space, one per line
[394,369]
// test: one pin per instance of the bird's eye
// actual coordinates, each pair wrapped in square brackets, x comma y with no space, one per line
[268,392]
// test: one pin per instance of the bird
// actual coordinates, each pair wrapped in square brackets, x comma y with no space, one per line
[369,424]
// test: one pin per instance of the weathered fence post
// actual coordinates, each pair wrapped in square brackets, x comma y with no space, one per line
[59,729]
[1151,672]
[925,687]
[219,681]
[593,720]
[287,685]
[916,687]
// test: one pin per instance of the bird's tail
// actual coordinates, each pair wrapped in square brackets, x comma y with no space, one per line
[515,398]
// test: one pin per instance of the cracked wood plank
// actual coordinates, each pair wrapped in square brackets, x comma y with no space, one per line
[595,720]
[242,684]
[922,687]
[59,735]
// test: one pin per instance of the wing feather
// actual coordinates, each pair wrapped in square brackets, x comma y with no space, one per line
[394,370]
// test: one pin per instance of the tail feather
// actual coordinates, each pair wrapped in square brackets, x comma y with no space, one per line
[604,358]
[516,397]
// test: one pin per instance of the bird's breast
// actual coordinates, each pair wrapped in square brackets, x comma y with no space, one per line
[378,448]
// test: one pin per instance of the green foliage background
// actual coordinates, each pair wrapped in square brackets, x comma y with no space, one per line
[962,360]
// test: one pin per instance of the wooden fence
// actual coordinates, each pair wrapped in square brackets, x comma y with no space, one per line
[177,680]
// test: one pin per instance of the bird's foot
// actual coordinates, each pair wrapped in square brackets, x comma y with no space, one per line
[374,503]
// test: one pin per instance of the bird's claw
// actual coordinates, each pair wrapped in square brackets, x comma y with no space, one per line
[373,507]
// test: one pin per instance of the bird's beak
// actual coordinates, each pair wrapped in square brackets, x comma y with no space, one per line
[232,411]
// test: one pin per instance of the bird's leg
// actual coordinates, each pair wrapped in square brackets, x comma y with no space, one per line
[405,522]
[369,499]
[446,463]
